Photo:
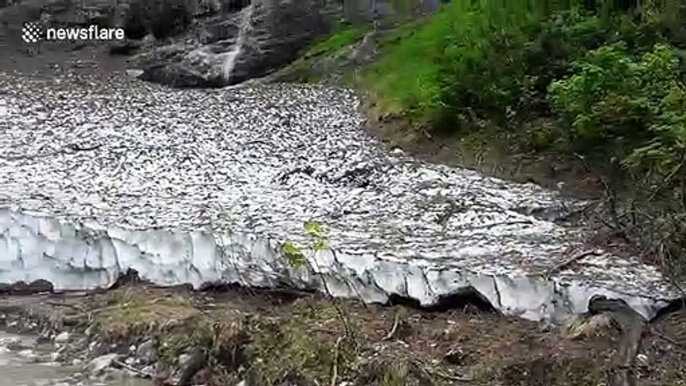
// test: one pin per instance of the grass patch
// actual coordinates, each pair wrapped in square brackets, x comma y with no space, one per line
[305,345]
[405,77]
[326,58]
[341,38]
[132,312]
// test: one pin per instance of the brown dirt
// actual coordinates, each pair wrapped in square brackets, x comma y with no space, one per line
[494,154]
[287,336]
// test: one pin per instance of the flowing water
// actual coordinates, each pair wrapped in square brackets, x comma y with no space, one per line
[243,29]
[24,362]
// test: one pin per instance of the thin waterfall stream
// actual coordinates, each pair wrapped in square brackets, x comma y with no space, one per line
[243,32]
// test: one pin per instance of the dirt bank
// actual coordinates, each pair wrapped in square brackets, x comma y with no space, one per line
[493,152]
[178,337]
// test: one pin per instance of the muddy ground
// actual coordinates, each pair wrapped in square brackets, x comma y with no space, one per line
[182,337]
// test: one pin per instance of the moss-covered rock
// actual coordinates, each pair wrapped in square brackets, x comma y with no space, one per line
[330,60]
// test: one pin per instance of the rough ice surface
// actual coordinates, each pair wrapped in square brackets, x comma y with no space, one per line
[99,175]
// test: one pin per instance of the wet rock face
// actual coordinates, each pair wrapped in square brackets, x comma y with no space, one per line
[276,37]
[197,43]
[233,47]
[162,19]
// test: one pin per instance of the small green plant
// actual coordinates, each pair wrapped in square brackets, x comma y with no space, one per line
[225,222]
[294,254]
[316,232]
[318,242]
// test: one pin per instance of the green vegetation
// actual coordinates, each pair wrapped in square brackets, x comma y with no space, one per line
[325,58]
[602,81]
[317,236]
[344,36]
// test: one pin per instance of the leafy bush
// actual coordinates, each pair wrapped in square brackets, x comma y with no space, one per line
[632,105]
[634,109]
[498,58]
[486,59]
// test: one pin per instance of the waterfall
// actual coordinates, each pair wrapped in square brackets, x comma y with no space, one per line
[243,30]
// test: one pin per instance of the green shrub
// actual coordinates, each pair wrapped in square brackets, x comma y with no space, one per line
[495,58]
[616,100]
[487,59]
[451,61]
[633,108]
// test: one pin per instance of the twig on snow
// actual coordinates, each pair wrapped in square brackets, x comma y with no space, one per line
[570,261]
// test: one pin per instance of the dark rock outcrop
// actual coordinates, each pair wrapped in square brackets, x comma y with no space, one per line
[23,288]
[280,31]
[632,326]
[161,18]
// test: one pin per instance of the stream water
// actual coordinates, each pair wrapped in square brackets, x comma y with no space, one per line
[25,362]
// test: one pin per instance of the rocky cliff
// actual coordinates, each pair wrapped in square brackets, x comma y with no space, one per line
[230,47]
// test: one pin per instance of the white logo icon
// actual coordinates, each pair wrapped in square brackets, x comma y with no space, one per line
[31,33]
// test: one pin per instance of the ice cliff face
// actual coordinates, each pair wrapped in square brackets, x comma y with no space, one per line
[101,175]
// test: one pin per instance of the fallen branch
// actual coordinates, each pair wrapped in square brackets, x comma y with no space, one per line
[570,261]
[207,314]
[334,375]
[453,378]
[497,224]
[425,375]
[82,310]
[667,339]
[394,329]
[609,192]
[140,373]
[67,305]
[668,180]
[70,148]
[429,374]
